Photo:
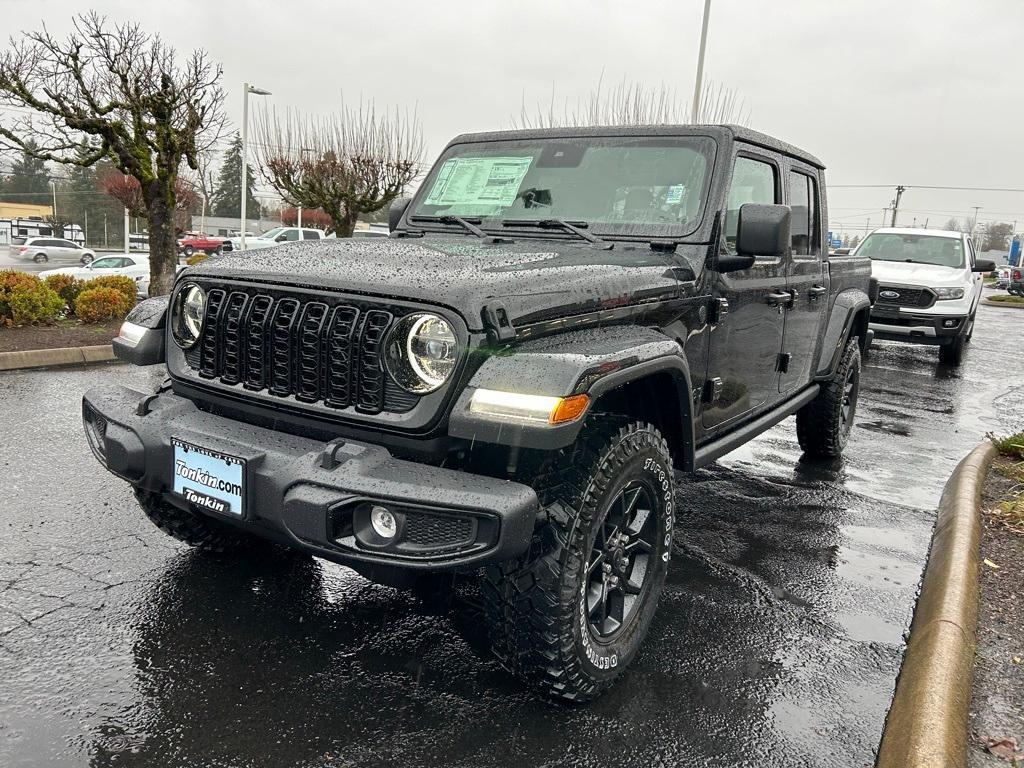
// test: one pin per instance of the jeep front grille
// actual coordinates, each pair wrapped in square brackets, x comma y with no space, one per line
[311,349]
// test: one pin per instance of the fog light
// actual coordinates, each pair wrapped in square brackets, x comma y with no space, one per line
[383,522]
[950,323]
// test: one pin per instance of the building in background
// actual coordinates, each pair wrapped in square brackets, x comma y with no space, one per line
[24,211]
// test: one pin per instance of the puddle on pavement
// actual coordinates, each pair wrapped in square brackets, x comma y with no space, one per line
[876,571]
[869,628]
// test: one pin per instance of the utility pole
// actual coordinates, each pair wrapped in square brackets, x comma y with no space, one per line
[974,224]
[695,111]
[896,203]
[867,227]
[127,233]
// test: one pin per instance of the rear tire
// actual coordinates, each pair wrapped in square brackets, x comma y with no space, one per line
[87,258]
[823,425]
[570,614]
[953,354]
[188,250]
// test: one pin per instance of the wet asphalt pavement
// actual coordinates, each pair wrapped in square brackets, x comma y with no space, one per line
[777,641]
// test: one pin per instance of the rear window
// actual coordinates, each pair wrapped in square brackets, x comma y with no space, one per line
[913,249]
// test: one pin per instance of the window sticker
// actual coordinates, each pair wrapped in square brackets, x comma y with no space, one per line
[674,196]
[479,181]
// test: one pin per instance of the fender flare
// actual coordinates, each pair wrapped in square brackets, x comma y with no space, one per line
[848,304]
[592,362]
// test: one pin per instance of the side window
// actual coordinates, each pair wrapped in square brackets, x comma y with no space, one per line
[803,200]
[67,244]
[291,234]
[310,234]
[753,181]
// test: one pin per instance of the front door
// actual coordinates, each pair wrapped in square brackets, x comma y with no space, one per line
[746,338]
[805,280]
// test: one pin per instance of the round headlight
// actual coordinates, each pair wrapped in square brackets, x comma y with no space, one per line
[188,314]
[421,352]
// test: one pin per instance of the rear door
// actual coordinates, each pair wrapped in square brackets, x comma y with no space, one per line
[746,339]
[806,279]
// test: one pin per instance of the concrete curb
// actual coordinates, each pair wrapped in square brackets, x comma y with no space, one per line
[42,358]
[1001,304]
[927,722]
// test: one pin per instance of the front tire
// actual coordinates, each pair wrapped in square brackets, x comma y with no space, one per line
[87,258]
[188,250]
[823,425]
[571,613]
[953,354]
[41,258]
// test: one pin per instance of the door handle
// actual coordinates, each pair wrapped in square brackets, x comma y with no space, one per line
[779,299]
[815,291]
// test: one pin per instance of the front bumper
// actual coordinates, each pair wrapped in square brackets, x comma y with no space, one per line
[916,327]
[305,493]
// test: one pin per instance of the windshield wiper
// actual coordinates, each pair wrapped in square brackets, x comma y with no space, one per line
[470,225]
[575,227]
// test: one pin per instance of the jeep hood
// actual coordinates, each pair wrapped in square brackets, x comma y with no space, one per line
[535,280]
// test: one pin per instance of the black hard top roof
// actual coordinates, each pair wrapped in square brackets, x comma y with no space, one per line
[737,132]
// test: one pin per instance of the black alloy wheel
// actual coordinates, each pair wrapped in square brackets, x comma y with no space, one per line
[619,561]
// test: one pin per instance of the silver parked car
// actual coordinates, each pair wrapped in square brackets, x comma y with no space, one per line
[42,249]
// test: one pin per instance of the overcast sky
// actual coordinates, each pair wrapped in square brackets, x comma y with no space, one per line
[884,92]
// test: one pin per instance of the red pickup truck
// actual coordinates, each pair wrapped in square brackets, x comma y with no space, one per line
[192,242]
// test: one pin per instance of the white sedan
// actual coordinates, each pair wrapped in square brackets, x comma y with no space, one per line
[130,266]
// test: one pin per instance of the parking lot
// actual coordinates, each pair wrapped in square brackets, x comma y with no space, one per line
[777,642]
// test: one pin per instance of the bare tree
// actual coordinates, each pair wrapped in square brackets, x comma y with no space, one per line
[636,104]
[127,95]
[351,163]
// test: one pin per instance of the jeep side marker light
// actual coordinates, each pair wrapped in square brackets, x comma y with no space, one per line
[539,409]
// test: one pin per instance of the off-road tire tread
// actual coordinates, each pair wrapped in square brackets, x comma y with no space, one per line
[819,423]
[528,608]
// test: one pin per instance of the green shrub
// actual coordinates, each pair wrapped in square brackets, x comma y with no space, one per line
[34,304]
[11,282]
[1012,445]
[67,287]
[98,304]
[120,283]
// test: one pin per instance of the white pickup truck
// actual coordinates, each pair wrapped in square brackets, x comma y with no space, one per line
[929,286]
[275,236]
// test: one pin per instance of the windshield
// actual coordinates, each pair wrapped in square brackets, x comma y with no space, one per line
[613,185]
[919,249]
[271,233]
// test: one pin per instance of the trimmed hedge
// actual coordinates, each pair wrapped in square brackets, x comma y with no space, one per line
[120,283]
[67,287]
[99,303]
[26,300]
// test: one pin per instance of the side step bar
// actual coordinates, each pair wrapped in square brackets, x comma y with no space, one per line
[710,452]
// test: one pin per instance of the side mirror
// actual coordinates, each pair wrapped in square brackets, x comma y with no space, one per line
[763,230]
[984,265]
[280,238]
[843,251]
[396,211]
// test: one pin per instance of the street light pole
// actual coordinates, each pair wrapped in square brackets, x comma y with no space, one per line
[246,90]
[53,186]
[695,111]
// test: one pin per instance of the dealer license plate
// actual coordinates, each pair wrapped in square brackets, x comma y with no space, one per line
[211,480]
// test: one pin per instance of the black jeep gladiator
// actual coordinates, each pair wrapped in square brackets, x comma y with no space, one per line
[505,386]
